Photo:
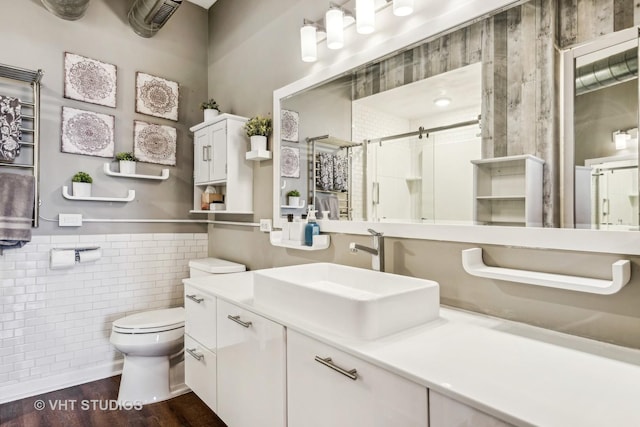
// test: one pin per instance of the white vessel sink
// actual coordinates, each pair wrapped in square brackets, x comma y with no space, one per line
[348,301]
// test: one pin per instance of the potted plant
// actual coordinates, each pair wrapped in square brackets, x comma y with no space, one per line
[127,162]
[258,129]
[294,198]
[81,184]
[210,108]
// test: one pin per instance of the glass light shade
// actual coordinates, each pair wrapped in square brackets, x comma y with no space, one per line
[308,43]
[620,140]
[442,102]
[402,7]
[335,28]
[365,16]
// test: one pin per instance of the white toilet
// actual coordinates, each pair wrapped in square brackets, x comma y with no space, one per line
[153,345]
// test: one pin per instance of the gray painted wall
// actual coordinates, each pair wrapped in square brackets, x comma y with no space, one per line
[252,54]
[34,38]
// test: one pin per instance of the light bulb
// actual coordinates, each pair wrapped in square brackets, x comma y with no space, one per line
[365,16]
[335,28]
[308,43]
[442,102]
[402,7]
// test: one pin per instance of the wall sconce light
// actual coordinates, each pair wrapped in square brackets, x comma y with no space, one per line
[309,41]
[365,16]
[620,138]
[334,21]
[402,7]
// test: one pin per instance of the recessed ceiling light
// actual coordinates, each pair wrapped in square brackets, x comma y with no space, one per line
[442,102]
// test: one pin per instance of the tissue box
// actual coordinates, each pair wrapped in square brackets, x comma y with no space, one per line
[212,197]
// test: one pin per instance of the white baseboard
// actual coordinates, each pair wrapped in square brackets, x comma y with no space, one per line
[20,390]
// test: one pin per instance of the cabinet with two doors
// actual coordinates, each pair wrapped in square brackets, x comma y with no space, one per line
[219,163]
[252,371]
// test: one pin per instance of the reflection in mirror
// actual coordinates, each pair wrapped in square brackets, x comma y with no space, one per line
[606,137]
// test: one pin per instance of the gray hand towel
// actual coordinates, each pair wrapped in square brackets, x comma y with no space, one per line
[16,209]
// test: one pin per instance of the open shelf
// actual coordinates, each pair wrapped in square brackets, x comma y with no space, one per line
[320,242]
[130,197]
[162,177]
[258,155]
[201,211]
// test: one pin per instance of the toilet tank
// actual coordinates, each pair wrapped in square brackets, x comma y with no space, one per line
[208,266]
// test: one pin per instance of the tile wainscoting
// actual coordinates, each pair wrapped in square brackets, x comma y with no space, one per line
[55,324]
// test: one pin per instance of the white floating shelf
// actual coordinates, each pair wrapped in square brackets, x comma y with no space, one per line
[294,206]
[320,242]
[257,155]
[620,271]
[162,177]
[202,211]
[130,197]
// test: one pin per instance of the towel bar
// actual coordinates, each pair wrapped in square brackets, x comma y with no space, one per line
[621,275]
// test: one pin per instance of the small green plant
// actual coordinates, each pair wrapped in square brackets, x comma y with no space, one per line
[258,126]
[293,193]
[210,105]
[82,177]
[126,156]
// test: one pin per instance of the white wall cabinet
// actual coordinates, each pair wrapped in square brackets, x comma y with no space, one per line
[319,395]
[446,412]
[251,371]
[219,161]
[508,191]
[200,345]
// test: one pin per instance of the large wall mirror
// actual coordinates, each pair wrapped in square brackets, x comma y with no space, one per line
[496,123]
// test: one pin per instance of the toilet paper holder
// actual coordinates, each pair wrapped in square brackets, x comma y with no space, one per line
[75,255]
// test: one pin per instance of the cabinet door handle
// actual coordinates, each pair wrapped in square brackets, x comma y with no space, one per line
[238,321]
[209,152]
[192,352]
[352,374]
[195,298]
[204,153]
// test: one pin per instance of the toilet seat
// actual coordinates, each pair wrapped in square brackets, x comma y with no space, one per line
[150,322]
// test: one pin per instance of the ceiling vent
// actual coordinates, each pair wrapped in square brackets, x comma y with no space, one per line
[146,17]
[67,9]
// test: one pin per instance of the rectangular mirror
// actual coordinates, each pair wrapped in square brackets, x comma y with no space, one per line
[471,127]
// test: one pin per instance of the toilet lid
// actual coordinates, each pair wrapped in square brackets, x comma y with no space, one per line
[216,266]
[151,321]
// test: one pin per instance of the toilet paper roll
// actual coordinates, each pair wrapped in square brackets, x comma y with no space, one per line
[63,258]
[89,255]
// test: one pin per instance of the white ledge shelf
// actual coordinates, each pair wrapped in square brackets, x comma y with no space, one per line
[320,242]
[164,176]
[620,271]
[257,155]
[294,206]
[130,197]
[204,211]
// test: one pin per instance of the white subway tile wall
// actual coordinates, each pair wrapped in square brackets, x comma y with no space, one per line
[59,321]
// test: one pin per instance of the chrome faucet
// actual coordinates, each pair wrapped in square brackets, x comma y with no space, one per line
[377,251]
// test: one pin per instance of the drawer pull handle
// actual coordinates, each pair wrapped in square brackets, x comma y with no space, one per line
[197,356]
[195,298]
[352,374]
[238,321]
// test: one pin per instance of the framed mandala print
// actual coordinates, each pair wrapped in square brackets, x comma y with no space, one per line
[89,80]
[88,133]
[154,143]
[290,162]
[289,125]
[156,96]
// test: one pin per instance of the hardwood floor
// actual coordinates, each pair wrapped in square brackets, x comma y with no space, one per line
[91,404]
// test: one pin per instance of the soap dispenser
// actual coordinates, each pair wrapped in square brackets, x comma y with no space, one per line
[311,229]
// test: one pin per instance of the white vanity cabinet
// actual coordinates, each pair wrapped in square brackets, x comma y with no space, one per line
[200,345]
[251,368]
[328,393]
[446,412]
[219,161]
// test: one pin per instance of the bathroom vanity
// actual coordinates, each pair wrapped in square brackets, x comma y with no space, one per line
[256,364]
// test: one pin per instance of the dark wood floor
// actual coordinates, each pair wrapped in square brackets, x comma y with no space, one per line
[186,410]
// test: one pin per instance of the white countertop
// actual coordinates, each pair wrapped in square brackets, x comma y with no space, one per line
[522,374]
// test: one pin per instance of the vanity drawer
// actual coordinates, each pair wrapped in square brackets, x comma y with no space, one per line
[200,317]
[319,395]
[200,371]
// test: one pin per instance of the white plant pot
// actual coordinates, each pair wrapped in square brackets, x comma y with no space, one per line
[128,167]
[294,201]
[81,189]
[210,114]
[258,142]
